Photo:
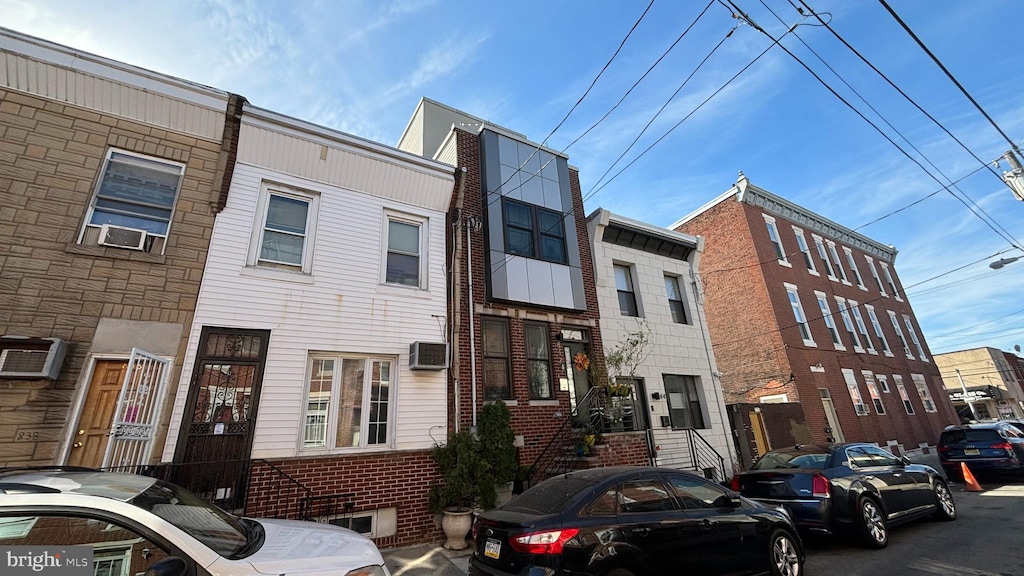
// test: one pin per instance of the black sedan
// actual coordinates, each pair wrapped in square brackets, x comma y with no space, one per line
[633,521]
[857,488]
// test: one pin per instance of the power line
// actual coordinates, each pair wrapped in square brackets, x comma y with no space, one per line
[980,323]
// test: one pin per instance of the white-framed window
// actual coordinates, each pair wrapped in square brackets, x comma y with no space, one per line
[626,292]
[854,390]
[830,322]
[773,399]
[874,274]
[853,268]
[861,327]
[285,229]
[883,382]
[899,334]
[819,245]
[676,304]
[924,393]
[773,234]
[349,402]
[805,251]
[798,314]
[838,263]
[876,398]
[888,280]
[913,338]
[907,404]
[135,191]
[844,312]
[878,330]
[405,238]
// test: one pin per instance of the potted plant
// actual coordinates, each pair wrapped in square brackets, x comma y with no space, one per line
[454,495]
[498,453]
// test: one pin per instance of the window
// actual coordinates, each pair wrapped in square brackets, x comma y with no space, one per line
[876,398]
[848,324]
[889,281]
[913,338]
[830,322]
[874,274]
[884,344]
[924,393]
[624,286]
[855,396]
[675,300]
[497,380]
[348,402]
[135,191]
[883,382]
[114,550]
[773,235]
[404,262]
[644,495]
[899,334]
[534,232]
[907,404]
[684,405]
[696,494]
[853,268]
[838,263]
[283,235]
[820,246]
[538,360]
[861,327]
[773,399]
[801,243]
[798,314]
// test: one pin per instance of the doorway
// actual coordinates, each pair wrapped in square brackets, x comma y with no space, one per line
[90,437]
[579,383]
[833,433]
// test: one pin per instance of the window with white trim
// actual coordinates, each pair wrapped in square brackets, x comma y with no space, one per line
[907,404]
[830,323]
[924,393]
[853,268]
[874,274]
[284,233]
[801,243]
[819,245]
[861,327]
[883,382]
[773,234]
[848,324]
[838,263]
[899,334]
[626,292]
[889,281]
[913,338]
[676,304]
[854,390]
[773,399]
[878,330]
[876,398]
[798,314]
[404,254]
[349,402]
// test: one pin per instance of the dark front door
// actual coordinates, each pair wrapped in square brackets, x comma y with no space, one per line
[220,415]
[579,381]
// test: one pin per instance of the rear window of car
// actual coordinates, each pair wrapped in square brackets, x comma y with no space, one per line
[959,436]
[549,497]
[777,460]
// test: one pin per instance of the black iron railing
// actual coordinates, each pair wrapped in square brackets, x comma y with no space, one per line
[565,447]
[704,457]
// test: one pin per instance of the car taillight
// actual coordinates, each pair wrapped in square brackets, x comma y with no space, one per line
[735,484]
[820,487]
[367,571]
[944,448]
[1003,446]
[475,530]
[549,542]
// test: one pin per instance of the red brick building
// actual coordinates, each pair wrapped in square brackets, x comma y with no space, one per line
[802,309]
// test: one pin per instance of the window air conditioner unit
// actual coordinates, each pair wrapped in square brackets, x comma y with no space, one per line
[428,356]
[130,238]
[31,358]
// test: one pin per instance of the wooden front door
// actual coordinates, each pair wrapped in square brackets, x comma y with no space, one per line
[90,437]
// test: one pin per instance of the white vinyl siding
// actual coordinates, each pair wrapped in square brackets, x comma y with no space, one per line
[914,339]
[830,322]
[855,396]
[798,315]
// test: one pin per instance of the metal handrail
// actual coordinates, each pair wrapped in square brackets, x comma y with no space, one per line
[558,439]
[704,448]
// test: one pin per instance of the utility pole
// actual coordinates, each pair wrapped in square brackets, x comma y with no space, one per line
[966,398]
[1014,177]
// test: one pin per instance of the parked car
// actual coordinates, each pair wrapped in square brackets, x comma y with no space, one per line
[847,488]
[992,447]
[1018,424]
[134,524]
[634,521]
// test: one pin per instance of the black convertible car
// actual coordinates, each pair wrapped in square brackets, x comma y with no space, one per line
[856,488]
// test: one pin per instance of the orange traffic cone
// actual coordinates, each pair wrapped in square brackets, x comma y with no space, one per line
[972,484]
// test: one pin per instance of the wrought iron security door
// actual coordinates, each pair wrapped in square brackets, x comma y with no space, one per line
[138,410]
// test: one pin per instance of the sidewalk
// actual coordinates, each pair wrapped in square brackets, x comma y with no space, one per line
[427,560]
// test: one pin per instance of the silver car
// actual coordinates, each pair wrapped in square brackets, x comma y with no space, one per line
[127,525]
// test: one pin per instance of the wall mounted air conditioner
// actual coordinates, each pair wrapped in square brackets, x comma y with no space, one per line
[428,356]
[130,238]
[31,358]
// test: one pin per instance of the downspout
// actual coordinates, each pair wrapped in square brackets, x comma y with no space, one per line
[472,224]
[456,294]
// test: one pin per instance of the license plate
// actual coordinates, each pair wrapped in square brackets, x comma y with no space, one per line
[492,549]
[971,452]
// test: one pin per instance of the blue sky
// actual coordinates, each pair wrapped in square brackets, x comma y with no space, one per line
[361,67]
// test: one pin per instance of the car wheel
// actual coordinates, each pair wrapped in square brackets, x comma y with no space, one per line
[945,508]
[785,556]
[873,530]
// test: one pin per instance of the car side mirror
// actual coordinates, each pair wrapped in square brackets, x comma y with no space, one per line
[905,461]
[735,501]
[170,566]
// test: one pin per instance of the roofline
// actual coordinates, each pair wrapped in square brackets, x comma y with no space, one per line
[637,226]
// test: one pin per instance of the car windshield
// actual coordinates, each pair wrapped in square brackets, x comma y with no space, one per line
[218,530]
[777,460]
[958,436]
[550,497]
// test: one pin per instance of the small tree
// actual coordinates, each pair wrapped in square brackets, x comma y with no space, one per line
[458,461]
[497,452]
[630,352]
